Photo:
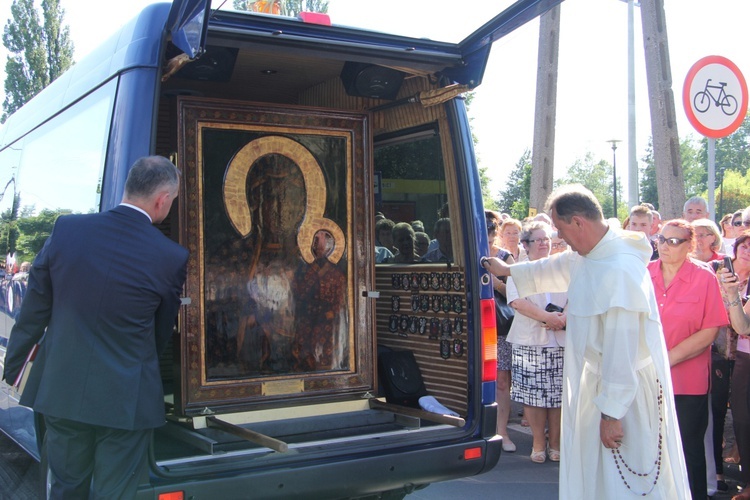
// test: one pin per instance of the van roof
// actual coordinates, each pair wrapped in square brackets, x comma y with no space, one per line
[138,44]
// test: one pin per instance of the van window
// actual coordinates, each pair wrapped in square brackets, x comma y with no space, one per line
[55,169]
[410,187]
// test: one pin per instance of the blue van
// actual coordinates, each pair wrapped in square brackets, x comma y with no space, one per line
[318,353]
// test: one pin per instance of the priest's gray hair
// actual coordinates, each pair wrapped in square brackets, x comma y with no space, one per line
[574,199]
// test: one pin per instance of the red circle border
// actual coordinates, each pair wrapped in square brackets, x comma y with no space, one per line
[686,101]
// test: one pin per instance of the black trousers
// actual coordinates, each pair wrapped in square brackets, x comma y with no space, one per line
[721,375]
[741,412]
[692,417]
[90,461]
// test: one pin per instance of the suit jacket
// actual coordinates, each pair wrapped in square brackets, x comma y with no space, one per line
[106,287]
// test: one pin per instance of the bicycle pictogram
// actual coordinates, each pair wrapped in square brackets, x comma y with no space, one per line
[727,102]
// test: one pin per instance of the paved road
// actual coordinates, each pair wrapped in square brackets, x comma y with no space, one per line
[515,476]
[18,473]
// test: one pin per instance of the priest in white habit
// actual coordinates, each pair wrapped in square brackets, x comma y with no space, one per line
[620,437]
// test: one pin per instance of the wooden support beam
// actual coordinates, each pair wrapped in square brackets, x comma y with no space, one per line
[252,436]
[414,412]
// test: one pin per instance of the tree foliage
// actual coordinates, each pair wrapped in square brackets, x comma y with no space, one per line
[40,50]
[732,192]
[416,160]
[33,231]
[8,228]
[290,8]
[597,177]
[693,171]
[732,152]
[514,199]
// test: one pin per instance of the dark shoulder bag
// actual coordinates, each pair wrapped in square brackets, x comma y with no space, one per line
[504,313]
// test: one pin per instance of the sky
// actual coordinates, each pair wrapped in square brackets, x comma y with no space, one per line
[592,99]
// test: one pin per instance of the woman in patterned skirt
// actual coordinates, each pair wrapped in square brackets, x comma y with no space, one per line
[537,336]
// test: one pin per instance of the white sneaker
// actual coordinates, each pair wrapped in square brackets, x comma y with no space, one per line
[508,445]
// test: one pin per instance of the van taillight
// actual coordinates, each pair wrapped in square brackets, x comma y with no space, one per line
[172,495]
[489,341]
[472,453]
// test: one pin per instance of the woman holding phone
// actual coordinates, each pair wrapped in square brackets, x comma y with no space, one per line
[735,289]
[690,307]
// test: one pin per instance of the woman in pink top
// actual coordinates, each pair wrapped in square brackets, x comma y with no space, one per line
[691,311]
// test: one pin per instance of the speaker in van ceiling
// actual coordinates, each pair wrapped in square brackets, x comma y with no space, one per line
[215,65]
[370,80]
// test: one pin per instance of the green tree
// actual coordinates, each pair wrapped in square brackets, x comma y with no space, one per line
[731,194]
[597,177]
[693,170]
[514,199]
[33,231]
[487,200]
[732,152]
[39,51]
[9,229]
[290,8]
[647,178]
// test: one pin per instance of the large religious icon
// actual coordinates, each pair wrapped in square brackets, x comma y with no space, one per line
[275,205]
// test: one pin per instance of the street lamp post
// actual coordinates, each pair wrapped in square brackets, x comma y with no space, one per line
[721,195]
[614,173]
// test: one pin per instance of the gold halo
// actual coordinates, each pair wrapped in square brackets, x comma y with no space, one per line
[238,208]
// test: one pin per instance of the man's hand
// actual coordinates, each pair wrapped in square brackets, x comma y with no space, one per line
[495,266]
[610,432]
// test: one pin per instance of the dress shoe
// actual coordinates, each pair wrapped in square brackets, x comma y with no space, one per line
[508,445]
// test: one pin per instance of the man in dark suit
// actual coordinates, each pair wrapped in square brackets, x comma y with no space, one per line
[106,288]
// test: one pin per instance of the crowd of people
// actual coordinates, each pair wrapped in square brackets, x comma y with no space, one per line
[659,346]
[654,336]
[408,242]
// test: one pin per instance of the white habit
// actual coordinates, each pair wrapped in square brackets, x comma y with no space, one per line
[615,359]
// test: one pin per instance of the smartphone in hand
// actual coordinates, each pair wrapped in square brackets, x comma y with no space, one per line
[728,264]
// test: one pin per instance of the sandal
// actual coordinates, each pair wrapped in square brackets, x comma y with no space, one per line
[732,460]
[733,456]
[538,457]
[553,454]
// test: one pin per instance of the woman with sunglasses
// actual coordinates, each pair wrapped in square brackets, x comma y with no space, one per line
[735,288]
[726,225]
[691,311]
[733,229]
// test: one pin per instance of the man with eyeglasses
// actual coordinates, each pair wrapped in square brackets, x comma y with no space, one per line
[616,378]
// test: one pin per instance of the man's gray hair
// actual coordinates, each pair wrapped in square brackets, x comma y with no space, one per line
[150,174]
[574,199]
[696,200]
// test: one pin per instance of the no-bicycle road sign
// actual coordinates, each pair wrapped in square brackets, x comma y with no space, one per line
[715,96]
